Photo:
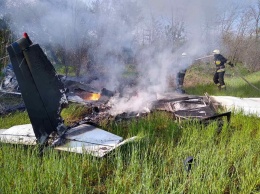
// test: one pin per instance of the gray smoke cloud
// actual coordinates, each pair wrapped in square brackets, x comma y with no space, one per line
[109,26]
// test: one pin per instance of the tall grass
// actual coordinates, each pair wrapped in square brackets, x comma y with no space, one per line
[12,119]
[235,85]
[226,162]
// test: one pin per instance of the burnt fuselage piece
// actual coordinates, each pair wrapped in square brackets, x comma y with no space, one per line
[42,91]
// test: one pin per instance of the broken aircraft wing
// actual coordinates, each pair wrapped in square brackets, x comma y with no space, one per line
[249,106]
[44,96]
[81,139]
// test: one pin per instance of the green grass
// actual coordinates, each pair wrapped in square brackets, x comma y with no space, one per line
[74,113]
[12,119]
[228,162]
[61,69]
[235,85]
[225,162]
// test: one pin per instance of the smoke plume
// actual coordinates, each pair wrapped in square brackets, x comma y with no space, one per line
[154,32]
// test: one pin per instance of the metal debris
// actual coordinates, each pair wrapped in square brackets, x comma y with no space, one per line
[9,83]
[42,91]
[189,107]
[44,96]
[188,163]
[83,139]
[249,106]
[10,102]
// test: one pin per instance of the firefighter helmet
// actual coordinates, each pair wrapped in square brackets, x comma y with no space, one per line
[216,51]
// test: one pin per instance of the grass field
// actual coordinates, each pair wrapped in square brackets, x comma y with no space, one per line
[225,162]
[199,79]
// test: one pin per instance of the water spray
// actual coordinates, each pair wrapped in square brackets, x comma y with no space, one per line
[208,56]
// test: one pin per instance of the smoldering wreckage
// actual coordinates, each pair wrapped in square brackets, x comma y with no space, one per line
[45,94]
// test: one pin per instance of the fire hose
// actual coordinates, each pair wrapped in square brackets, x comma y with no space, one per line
[208,56]
[239,74]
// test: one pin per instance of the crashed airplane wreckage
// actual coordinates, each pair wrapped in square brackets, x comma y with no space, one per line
[45,96]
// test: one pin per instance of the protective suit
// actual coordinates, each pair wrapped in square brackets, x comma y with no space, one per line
[220,62]
[185,62]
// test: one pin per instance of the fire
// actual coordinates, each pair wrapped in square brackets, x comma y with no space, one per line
[92,96]
[88,95]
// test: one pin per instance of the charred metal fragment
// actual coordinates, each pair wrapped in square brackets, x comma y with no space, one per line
[74,86]
[19,107]
[127,116]
[216,116]
[219,119]
[10,102]
[9,83]
[42,91]
[188,162]
[191,107]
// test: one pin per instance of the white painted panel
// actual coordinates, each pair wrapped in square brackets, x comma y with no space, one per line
[81,139]
[19,134]
[247,105]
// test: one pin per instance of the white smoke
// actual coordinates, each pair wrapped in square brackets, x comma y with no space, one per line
[112,25]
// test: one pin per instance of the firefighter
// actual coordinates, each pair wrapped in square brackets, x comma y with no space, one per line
[220,62]
[185,62]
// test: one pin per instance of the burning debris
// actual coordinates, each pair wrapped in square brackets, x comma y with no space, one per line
[75,90]
[10,102]
[45,94]
[9,83]
[187,107]
[89,96]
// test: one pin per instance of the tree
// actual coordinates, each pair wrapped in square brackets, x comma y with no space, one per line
[254,12]
[240,34]
[5,39]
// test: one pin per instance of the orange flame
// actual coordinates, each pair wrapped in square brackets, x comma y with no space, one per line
[92,96]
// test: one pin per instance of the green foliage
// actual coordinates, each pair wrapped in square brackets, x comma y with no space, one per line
[226,162]
[12,119]
[61,69]
[74,113]
[1,73]
[236,85]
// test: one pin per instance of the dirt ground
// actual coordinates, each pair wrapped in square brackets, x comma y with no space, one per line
[199,74]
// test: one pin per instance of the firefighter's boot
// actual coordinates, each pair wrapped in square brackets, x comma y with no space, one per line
[219,86]
[223,87]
